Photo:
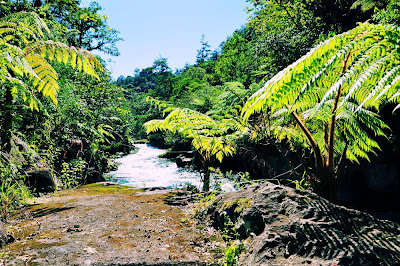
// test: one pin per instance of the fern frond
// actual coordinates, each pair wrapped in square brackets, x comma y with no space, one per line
[339,80]
[65,54]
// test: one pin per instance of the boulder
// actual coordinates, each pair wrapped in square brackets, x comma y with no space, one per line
[27,155]
[93,176]
[182,161]
[283,226]
[41,181]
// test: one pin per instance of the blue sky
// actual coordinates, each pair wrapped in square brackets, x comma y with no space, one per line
[168,28]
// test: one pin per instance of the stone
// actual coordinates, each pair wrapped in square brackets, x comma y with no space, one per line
[283,226]
[41,181]
[182,161]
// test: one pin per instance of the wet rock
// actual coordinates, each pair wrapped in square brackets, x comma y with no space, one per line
[94,176]
[283,225]
[175,154]
[183,197]
[182,161]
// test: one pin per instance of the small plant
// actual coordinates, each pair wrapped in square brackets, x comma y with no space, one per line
[201,206]
[240,179]
[72,173]
[12,192]
[229,232]
[302,184]
[232,253]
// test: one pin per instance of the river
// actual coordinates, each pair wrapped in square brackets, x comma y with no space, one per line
[146,169]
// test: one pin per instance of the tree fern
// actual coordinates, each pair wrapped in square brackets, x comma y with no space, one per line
[209,137]
[333,93]
[25,56]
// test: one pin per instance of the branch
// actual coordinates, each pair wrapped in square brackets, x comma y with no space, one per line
[331,142]
[341,158]
[299,26]
[318,156]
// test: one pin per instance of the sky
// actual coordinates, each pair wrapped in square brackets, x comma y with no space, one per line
[168,28]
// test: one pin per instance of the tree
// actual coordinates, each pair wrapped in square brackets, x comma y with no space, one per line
[85,27]
[390,14]
[25,54]
[337,16]
[209,137]
[329,99]
[369,4]
[203,54]
[235,63]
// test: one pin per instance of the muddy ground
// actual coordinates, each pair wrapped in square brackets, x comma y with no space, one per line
[102,224]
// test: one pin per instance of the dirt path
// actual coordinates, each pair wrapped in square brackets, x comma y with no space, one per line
[102,225]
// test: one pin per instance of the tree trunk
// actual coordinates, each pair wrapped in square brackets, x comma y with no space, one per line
[7,121]
[324,183]
[206,178]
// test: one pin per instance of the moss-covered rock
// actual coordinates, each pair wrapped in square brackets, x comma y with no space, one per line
[283,226]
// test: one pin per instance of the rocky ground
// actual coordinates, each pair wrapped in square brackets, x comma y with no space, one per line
[283,226]
[104,224]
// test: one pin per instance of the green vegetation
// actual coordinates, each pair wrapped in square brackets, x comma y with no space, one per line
[300,77]
[232,253]
[330,98]
[60,115]
[209,137]
[318,83]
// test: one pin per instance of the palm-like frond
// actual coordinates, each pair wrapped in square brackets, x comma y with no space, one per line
[25,54]
[369,4]
[208,136]
[343,82]
[28,18]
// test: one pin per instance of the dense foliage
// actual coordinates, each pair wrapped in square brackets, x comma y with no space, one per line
[300,74]
[60,114]
[329,99]
[325,102]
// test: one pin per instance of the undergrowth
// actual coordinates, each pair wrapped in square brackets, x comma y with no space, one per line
[13,191]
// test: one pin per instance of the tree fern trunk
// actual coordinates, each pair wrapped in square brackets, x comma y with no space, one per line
[323,183]
[206,178]
[328,178]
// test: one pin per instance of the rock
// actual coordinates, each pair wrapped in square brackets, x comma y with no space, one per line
[3,236]
[94,176]
[283,226]
[182,161]
[175,154]
[41,181]
[28,154]
[10,239]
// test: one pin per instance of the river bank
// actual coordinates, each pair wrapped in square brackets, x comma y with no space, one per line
[101,224]
[110,224]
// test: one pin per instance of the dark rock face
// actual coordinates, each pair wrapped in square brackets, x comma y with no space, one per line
[41,181]
[3,236]
[370,186]
[265,161]
[284,226]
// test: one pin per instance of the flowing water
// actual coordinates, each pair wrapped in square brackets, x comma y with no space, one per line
[146,169]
